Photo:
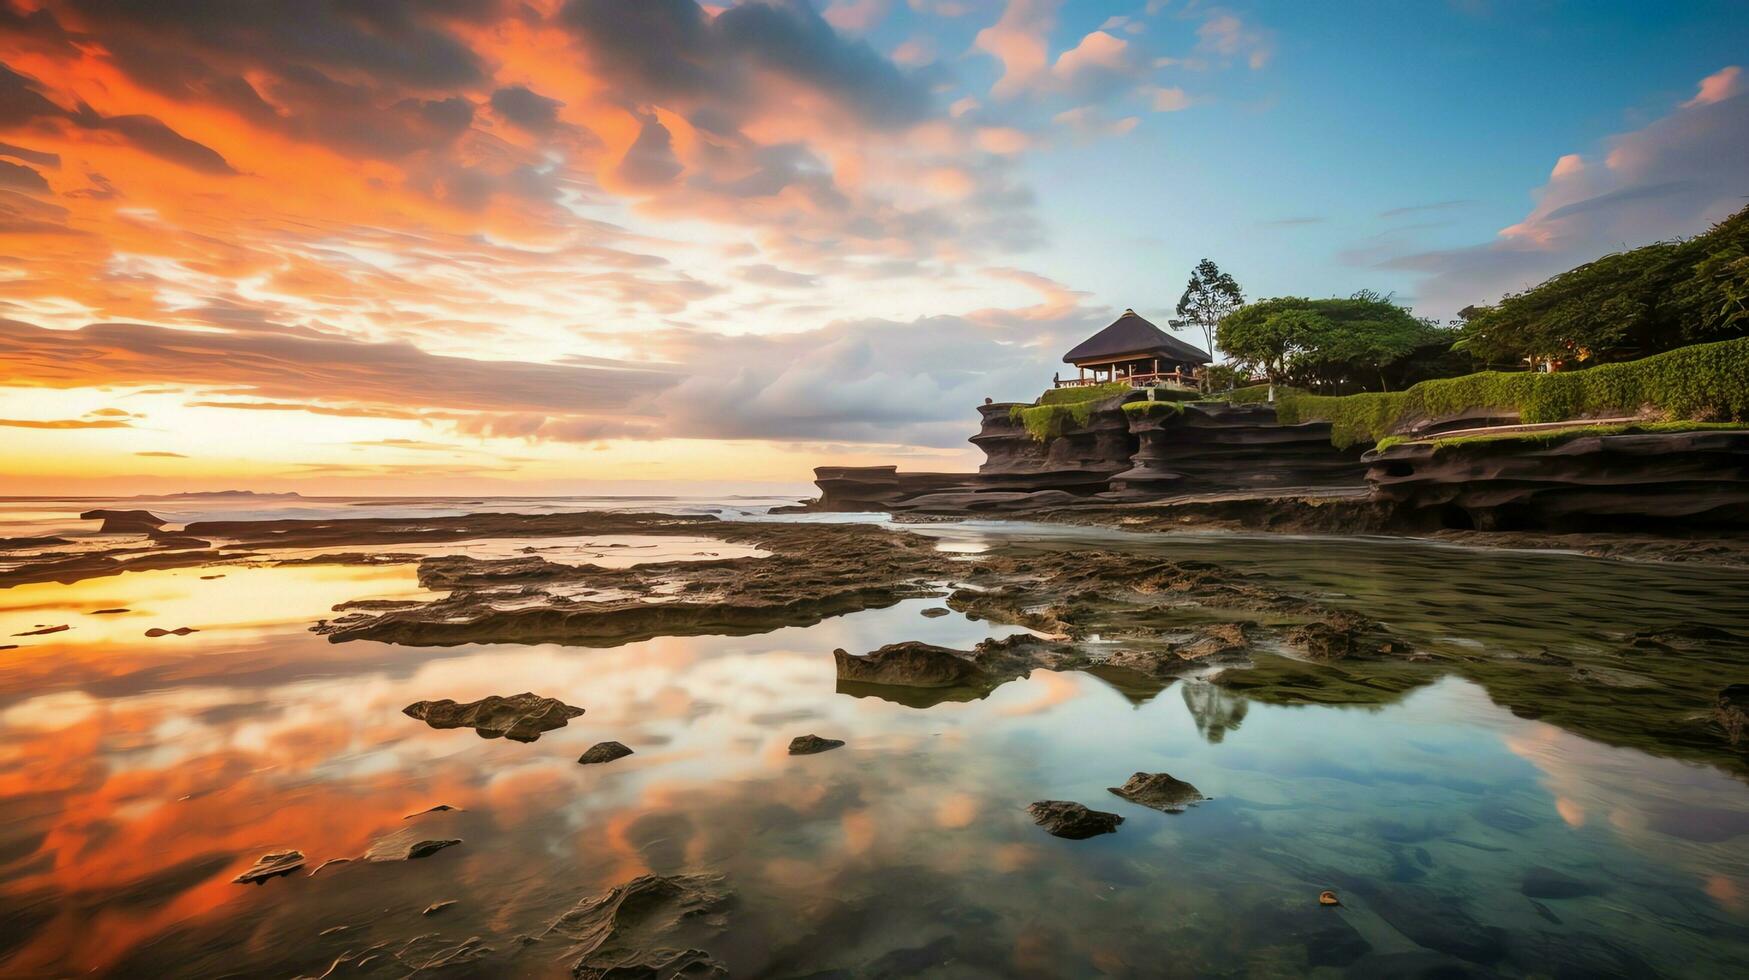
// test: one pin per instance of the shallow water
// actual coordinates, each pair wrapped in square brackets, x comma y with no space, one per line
[138,776]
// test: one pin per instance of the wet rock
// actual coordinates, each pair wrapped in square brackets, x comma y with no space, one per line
[178,631]
[109,612]
[1341,635]
[405,845]
[603,752]
[520,717]
[646,927]
[1540,882]
[271,865]
[1063,818]
[811,744]
[44,631]
[436,907]
[1160,791]
[1437,922]
[1731,713]
[439,808]
[124,521]
[8,646]
[935,612]
[910,664]
[1415,965]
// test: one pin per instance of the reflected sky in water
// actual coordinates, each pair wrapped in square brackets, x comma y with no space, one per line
[138,776]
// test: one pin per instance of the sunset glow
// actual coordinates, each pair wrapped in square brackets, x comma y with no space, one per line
[544,246]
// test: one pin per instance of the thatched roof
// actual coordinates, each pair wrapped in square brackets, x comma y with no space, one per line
[1133,336]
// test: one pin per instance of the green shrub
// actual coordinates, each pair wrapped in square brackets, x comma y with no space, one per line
[1699,382]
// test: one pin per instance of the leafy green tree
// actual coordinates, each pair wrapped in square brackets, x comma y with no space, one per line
[1210,296]
[1332,344]
[1626,305]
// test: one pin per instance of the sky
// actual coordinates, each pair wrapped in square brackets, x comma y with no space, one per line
[549,246]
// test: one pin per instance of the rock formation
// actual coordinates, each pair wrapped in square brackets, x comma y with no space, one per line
[910,665]
[1116,455]
[124,521]
[603,752]
[644,928]
[1063,818]
[1160,791]
[812,744]
[520,717]
[1690,480]
[271,865]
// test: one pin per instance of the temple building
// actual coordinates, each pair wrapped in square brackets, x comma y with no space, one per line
[1134,350]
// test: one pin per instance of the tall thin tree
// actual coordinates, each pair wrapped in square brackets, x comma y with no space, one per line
[1210,296]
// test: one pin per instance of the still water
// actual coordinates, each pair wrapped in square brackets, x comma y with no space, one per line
[138,776]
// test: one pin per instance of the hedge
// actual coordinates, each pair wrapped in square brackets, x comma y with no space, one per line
[1706,381]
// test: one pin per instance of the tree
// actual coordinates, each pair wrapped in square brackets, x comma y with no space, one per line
[1266,336]
[1333,344]
[1623,306]
[1210,296]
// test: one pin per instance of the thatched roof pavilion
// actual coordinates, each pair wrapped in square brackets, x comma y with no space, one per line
[1133,349]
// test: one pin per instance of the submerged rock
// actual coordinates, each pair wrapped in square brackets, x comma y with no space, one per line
[935,612]
[603,752]
[1063,818]
[520,717]
[1540,882]
[1160,791]
[910,664]
[271,865]
[124,521]
[644,928]
[811,744]
[405,845]
[1732,712]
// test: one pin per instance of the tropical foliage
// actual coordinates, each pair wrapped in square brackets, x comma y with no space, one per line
[1630,304]
[1329,344]
[1703,382]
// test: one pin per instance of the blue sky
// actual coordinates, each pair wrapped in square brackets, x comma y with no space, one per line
[550,243]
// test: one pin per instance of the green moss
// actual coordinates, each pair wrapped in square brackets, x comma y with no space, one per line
[1703,381]
[1551,436]
[1058,408]
[1090,393]
[1154,408]
[1254,395]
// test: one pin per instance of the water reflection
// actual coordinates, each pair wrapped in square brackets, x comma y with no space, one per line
[138,776]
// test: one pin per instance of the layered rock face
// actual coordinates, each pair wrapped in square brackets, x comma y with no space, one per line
[1114,456]
[1631,481]
[1080,460]
[1233,447]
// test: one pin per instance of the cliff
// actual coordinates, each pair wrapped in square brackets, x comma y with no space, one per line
[1641,481]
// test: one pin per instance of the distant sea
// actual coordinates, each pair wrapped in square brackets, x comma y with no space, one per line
[34,516]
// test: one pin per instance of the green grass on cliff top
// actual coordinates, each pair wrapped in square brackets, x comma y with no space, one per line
[1706,381]
[1549,437]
